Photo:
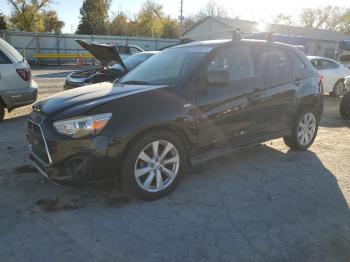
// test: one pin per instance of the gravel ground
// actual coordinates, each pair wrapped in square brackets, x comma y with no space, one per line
[266,203]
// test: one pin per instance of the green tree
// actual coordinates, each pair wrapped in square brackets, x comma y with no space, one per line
[52,23]
[31,16]
[3,24]
[150,19]
[170,28]
[93,17]
[119,24]
[27,14]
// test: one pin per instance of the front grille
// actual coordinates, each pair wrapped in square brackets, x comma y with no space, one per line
[37,142]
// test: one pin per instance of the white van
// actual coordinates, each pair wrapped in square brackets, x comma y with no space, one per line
[16,85]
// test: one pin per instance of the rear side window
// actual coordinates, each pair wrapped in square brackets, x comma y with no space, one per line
[134,50]
[298,64]
[321,64]
[4,59]
[238,61]
[124,50]
[275,66]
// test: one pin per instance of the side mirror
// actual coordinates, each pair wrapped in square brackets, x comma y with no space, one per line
[217,77]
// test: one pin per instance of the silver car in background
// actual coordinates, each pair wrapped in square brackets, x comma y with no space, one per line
[16,85]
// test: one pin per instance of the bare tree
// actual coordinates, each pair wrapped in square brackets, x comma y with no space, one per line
[328,17]
[282,19]
[212,8]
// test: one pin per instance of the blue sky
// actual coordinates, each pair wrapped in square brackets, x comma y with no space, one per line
[258,10]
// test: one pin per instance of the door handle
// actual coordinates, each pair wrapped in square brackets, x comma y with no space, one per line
[255,95]
[298,81]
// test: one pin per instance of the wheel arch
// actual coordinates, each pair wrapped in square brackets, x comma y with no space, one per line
[315,102]
[175,129]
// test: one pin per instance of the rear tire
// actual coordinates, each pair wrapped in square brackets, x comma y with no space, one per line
[148,172]
[2,111]
[338,88]
[304,130]
[345,106]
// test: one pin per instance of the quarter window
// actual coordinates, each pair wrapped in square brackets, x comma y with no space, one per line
[298,64]
[4,59]
[238,61]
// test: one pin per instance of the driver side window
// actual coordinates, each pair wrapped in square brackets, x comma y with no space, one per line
[237,61]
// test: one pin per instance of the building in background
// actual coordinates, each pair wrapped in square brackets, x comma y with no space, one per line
[320,42]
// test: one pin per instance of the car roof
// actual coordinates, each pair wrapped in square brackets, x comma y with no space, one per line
[217,43]
[148,52]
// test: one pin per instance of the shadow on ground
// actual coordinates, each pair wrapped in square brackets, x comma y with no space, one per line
[259,204]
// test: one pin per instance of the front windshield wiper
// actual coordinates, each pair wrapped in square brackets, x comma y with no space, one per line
[134,82]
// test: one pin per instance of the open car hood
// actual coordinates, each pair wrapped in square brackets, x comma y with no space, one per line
[105,53]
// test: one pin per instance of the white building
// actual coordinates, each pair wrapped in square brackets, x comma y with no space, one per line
[320,42]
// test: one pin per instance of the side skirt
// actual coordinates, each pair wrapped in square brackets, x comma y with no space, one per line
[201,158]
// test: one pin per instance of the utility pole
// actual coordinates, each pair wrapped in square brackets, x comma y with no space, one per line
[181,17]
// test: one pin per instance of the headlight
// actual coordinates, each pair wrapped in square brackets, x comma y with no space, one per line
[82,126]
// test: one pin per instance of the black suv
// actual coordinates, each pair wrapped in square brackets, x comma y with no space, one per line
[181,107]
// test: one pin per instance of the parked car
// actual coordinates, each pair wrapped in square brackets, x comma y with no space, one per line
[128,50]
[107,73]
[347,83]
[342,52]
[333,72]
[345,106]
[16,85]
[181,107]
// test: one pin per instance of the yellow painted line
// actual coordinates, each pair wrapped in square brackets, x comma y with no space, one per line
[74,56]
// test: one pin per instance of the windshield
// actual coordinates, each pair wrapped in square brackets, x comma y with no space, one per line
[11,50]
[167,67]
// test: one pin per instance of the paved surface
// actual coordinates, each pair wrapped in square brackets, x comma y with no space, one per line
[261,204]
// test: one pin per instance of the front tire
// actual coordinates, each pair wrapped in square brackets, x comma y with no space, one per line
[345,106]
[304,130]
[338,88]
[153,165]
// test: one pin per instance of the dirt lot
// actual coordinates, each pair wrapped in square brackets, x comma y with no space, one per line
[262,204]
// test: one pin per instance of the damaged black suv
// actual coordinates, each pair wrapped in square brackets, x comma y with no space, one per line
[181,107]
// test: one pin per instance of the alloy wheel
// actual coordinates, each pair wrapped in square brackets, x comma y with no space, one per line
[339,89]
[306,129]
[157,166]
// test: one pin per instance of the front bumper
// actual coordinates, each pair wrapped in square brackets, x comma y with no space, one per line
[65,160]
[20,97]
[70,84]
[347,84]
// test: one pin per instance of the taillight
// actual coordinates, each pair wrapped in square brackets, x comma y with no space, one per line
[25,74]
[321,78]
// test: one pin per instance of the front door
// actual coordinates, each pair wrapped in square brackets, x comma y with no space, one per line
[226,114]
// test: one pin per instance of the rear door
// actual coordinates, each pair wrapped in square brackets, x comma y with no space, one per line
[225,112]
[8,75]
[276,94]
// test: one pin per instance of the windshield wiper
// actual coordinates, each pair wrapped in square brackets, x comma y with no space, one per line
[134,82]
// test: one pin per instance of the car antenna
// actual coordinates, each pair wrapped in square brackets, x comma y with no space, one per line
[236,34]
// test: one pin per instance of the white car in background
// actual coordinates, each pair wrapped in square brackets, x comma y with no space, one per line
[16,85]
[333,74]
